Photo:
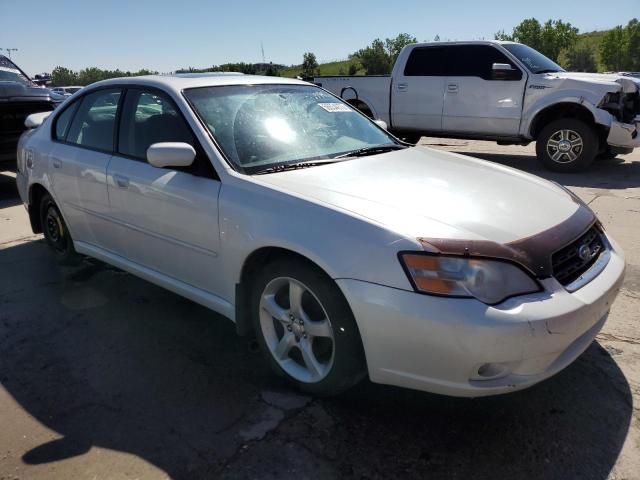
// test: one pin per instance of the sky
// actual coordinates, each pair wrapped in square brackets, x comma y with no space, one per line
[165,35]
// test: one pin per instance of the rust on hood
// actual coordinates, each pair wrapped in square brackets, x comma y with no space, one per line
[533,253]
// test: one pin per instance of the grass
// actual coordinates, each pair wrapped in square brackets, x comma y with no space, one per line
[331,68]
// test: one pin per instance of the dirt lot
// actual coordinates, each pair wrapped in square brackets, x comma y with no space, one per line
[103,375]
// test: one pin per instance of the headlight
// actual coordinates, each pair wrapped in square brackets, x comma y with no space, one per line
[490,281]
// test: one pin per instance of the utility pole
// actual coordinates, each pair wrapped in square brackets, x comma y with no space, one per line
[262,48]
[9,50]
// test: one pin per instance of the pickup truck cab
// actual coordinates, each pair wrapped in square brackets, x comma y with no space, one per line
[502,91]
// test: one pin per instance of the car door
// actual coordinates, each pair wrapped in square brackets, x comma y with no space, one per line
[418,91]
[83,135]
[167,217]
[476,101]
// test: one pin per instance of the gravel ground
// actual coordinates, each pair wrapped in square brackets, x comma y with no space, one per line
[103,375]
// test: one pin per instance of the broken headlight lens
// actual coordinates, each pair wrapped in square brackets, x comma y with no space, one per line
[490,281]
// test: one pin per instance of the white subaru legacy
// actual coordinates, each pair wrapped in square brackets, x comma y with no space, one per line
[346,252]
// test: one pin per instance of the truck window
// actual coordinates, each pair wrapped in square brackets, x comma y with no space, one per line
[426,62]
[475,61]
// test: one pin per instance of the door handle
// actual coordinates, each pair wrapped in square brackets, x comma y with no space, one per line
[452,87]
[56,163]
[122,182]
[403,87]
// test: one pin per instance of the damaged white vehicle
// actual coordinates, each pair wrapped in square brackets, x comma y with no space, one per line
[502,91]
[343,250]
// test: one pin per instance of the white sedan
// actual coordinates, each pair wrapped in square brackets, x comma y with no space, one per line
[344,251]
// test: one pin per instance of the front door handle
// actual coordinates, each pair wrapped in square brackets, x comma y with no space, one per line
[121,181]
[56,163]
[452,87]
[403,87]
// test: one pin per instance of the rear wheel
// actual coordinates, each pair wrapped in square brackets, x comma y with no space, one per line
[567,145]
[56,232]
[305,328]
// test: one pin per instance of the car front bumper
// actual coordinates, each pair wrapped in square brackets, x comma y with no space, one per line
[624,135]
[441,344]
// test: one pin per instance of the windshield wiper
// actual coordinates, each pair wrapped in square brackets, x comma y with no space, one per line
[361,152]
[294,166]
[548,70]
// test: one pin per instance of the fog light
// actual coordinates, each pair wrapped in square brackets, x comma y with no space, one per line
[490,371]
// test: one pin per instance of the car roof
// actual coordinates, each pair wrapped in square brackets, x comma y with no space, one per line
[179,82]
[467,42]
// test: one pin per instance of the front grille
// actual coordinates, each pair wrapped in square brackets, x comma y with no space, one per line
[576,258]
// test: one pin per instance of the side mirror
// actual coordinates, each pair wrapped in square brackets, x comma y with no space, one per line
[35,119]
[504,71]
[170,154]
[381,123]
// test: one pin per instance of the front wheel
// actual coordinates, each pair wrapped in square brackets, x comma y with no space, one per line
[305,328]
[567,145]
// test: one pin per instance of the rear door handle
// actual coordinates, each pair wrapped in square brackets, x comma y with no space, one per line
[122,182]
[452,87]
[56,163]
[403,87]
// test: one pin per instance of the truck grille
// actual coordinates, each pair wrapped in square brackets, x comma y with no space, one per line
[576,258]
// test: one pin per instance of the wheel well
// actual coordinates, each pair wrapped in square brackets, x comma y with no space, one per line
[36,192]
[360,105]
[560,110]
[251,266]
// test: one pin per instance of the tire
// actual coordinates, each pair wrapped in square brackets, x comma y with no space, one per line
[56,233]
[567,145]
[323,354]
[413,139]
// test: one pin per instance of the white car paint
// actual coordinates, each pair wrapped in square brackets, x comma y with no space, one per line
[471,106]
[192,235]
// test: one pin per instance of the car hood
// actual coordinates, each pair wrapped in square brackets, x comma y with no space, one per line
[21,92]
[421,192]
[611,81]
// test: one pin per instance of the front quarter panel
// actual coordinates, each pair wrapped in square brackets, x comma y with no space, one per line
[253,216]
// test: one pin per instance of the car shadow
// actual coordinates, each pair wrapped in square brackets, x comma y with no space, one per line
[611,174]
[8,190]
[108,360]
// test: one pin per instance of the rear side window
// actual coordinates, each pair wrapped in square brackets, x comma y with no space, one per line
[64,120]
[94,123]
[426,62]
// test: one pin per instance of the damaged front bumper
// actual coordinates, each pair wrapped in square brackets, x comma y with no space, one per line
[624,135]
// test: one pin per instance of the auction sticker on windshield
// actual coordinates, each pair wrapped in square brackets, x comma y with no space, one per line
[334,107]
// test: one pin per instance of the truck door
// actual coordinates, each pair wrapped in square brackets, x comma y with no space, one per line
[479,99]
[418,91]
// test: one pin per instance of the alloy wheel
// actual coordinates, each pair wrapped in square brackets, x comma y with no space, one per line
[565,146]
[297,330]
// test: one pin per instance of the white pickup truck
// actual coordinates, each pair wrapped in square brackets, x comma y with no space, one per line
[502,91]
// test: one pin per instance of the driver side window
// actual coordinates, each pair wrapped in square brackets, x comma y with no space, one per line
[150,117]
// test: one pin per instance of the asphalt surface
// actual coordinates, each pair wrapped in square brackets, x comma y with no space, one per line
[103,375]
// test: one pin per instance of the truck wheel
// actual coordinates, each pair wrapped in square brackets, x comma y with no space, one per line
[305,328]
[411,138]
[567,145]
[56,232]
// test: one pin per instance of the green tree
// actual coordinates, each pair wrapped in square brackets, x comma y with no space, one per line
[614,49]
[633,44]
[395,45]
[61,76]
[309,65]
[379,57]
[549,39]
[578,59]
[353,68]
